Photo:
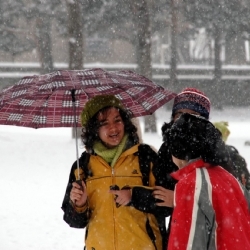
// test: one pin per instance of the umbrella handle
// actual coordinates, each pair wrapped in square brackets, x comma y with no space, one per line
[75,129]
[79,182]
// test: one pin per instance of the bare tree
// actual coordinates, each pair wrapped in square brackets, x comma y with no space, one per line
[15,36]
[43,12]
[44,45]
[75,35]
[217,66]
[143,49]
[173,60]
[218,17]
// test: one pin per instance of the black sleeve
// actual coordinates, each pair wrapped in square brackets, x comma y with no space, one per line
[143,200]
[239,166]
[163,167]
[71,217]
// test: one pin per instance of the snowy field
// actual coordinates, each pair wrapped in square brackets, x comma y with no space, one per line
[34,171]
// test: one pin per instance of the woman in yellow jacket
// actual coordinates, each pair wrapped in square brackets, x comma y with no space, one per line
[111,161]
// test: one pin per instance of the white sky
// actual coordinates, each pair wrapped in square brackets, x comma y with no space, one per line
[34,171]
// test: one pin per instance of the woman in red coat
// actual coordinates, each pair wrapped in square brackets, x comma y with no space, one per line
[211,208]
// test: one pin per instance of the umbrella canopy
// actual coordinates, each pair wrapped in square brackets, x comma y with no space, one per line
[42,101]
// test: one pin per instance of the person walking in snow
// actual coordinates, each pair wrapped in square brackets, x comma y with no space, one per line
[211,208]
[192,101]
[114,159]
[239,163]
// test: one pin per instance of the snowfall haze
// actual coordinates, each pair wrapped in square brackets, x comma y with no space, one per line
[34,171]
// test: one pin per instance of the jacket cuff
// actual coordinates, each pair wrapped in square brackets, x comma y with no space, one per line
[79,209]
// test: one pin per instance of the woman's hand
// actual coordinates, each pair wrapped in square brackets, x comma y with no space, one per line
[123,196]
[165,195]
[78,194]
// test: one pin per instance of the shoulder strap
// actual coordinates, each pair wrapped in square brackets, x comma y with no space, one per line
[146,156]
[84,162]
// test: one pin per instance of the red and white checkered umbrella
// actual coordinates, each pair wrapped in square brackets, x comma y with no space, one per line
[42,101]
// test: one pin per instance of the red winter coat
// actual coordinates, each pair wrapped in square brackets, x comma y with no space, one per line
[211,210]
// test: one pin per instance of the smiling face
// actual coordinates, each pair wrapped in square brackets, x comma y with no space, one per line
[111,130]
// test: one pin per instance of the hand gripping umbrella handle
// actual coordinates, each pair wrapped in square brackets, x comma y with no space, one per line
[75,130]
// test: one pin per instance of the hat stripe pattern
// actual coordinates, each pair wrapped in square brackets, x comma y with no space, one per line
[193,99]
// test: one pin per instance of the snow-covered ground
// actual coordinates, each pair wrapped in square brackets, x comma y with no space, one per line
[34,169]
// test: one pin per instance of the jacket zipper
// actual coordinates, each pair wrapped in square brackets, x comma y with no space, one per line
[114,207]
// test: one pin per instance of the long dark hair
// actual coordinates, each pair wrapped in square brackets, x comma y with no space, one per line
[90,132]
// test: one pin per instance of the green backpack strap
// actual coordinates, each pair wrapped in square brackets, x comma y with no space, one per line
[146,155]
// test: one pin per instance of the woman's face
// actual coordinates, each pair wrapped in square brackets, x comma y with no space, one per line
[111,129]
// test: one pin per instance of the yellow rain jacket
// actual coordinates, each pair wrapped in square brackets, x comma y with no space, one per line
[109,227]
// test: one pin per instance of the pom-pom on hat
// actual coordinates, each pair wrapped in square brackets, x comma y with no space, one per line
[193,99]
[96,104]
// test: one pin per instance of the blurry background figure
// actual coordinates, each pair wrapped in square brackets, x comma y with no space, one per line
[239,163]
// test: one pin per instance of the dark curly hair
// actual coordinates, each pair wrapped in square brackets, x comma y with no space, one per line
[90,132]
[191,136]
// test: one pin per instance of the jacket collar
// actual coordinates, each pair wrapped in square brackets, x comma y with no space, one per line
[130,151]
[183,172]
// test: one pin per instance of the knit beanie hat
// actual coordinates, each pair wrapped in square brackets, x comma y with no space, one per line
[96,104]
[193,99]
[223,127]
[193,136]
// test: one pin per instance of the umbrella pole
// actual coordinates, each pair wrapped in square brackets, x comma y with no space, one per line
[75,130]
